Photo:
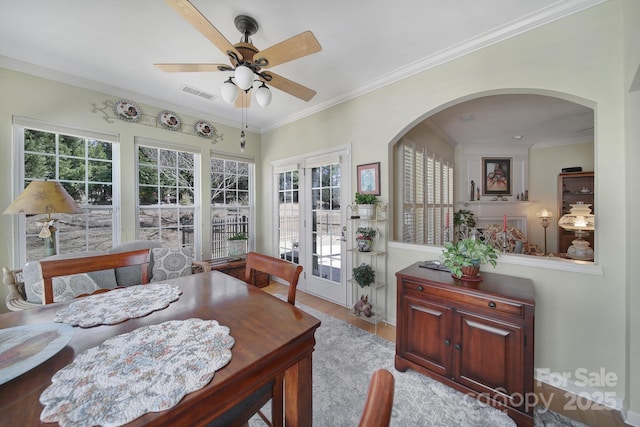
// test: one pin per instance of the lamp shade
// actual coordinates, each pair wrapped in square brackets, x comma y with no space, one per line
[43,197]
[263,95]
[544,214]
[579,218]
[244,77]
[229,91]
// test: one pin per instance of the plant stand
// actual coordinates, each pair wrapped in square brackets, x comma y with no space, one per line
[374,254]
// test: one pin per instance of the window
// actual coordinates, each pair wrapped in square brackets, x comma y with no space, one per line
[289,215]
[167,191]
[84,166]
[231,201]
[427,194]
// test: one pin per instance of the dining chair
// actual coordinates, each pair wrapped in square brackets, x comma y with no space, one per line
[379,402]
[286,270]
[290,273]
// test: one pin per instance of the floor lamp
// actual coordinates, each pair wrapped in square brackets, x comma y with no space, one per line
[44,197]
[545,215]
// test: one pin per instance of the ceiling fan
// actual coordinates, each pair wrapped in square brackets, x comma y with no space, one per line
[247,61]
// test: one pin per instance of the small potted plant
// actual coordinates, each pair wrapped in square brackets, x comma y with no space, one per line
[366,205]
[237,245]
[465,256]
[463,222]
[364,238]
[364,275]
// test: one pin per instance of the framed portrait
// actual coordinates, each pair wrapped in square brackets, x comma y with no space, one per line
[497,176]
[369,178]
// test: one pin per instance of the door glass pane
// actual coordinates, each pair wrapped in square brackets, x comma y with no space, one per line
[289,216]
[326,230]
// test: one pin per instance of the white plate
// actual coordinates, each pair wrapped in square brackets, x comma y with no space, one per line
[22,348]
[169,120]
[127,110]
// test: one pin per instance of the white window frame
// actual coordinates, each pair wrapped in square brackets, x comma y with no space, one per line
[196,206]
[19,251]
[251,221]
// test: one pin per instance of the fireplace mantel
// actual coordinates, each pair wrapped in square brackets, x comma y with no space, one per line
[492,212]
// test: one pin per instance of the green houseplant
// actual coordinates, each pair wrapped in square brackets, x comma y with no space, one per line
[364,238]
[366,205]
[465,256]
[364,275]
[463,221]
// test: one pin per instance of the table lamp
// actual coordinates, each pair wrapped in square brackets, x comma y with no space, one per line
[545,215]
[581,222]
[44,197]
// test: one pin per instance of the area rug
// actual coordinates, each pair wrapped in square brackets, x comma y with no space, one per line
[346,356]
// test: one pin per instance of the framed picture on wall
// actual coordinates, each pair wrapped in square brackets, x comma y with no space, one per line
[497,176]
[369,179]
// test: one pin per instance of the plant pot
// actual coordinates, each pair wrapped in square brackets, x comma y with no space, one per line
[237,249]
[471,274]
[364,245]
[366,211]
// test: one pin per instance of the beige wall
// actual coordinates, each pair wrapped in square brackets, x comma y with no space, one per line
[631,246]
[65,105]
[544,166]
[588,321]
[580,318]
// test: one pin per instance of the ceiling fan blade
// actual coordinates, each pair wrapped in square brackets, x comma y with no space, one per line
[202,24]
[296,47]
[243,100]
[290,87]
[192,68]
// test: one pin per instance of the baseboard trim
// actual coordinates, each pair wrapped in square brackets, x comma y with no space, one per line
[633,418]
[579,406]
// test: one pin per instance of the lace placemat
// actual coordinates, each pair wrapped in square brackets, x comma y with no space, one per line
[147,370]
[118,305]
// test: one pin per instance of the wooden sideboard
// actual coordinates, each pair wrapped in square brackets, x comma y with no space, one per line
[475,337]
[236,269]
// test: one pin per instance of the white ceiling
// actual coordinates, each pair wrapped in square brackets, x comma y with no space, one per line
[111,45]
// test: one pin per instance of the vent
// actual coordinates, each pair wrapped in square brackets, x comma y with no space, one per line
[197,92]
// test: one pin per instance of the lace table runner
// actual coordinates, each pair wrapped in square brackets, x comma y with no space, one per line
[147,370]
[118,305]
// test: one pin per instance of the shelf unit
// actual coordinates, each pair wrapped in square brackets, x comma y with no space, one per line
[573,187]
[376,258]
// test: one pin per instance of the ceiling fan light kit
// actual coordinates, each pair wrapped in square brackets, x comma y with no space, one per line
[244,77]
[229,91]
[263,95]
[247,61]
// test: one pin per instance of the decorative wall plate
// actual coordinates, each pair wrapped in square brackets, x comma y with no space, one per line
[204,129]
[127,110]
[169,120]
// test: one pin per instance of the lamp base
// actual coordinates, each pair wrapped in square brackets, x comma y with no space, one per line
[50,244]
[580,250]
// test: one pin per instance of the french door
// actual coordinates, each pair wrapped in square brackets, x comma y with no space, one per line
[312,210]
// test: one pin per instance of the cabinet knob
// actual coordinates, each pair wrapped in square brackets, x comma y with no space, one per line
[492,304]
[420,288]
[447,342]
[457,346]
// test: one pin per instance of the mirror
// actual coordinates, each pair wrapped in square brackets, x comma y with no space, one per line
[536,136]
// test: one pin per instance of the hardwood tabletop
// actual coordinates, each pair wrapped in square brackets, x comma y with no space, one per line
[271,337]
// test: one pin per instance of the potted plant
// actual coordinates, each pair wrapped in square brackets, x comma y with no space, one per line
[364,275]
[366,205]
[364,238]
[237,245]
[463,221]
[465,256]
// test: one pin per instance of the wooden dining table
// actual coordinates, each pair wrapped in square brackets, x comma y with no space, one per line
[273,340]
